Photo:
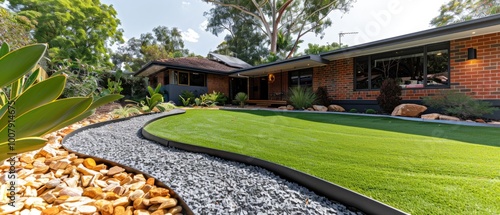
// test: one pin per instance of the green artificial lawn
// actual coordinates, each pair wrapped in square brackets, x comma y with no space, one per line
[420,168]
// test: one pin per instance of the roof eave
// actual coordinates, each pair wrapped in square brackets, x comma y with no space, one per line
[422,35]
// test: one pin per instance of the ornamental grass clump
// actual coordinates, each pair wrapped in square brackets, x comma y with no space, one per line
[29,104]
[302,97]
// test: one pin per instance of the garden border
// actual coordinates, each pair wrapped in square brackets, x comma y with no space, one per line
[185,208]
[320,186]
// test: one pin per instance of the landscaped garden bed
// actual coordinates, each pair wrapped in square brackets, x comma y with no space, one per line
[418,167]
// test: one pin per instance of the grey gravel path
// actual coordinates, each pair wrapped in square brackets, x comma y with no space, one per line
[208,184]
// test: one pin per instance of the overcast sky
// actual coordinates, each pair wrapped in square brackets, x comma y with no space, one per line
[372,19]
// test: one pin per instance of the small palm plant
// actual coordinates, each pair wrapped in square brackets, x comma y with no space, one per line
[241,98]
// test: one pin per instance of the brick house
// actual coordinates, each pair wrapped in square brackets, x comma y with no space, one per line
[198,75]
[463,56]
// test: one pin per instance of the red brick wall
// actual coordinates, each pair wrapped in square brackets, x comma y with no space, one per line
[479,78]
[218,83]
[280,85]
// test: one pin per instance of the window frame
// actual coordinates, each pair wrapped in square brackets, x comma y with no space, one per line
[189,74]
[425,50]
[300,73]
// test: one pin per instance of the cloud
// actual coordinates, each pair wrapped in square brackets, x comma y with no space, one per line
[186,3]
[204,25]
[190,35]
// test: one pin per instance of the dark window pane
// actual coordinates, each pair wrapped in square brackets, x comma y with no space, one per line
[294,79]
[361,71]
[437,68]
[183,78]
[197,79]
[165,78]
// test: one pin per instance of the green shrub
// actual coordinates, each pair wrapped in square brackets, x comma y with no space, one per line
[370,111]
[213,99]
[241,98]
[322,95]
[185,102]
[188,96]
[29,102]
[197,101]
[459,104]
[353,110]
[302,97]
[390,95]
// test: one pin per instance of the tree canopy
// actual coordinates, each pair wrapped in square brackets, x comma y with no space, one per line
[292,18]
[462,10]
[73,29]
[15,29]
[160,44]
[316,48]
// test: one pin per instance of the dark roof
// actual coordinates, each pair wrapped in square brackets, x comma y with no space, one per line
[230,61]
[194,64]
[198,63]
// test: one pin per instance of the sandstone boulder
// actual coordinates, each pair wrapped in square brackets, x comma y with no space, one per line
[452,118]
[289,107]
[432,116]
[410,110]
[320,108]
[336,108]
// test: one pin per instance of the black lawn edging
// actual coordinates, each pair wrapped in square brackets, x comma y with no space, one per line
[319,186]
[186,210]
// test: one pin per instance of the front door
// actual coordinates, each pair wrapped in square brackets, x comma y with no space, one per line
[238,85]
[263,88]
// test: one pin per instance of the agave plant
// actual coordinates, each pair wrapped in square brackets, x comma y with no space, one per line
[29,104]
[126,111]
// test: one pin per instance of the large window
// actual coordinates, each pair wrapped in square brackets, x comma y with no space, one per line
[190,78]
[420,67]
[301,78]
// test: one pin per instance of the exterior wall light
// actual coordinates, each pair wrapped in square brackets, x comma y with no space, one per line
[471,53]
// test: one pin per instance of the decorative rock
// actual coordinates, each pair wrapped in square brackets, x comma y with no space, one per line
[48,197]
[282,107]
[93,192]
[81,168]
[139,177]
[158,200]
[71,182]
[336,108]
[40,170]
[409,110]
[111,196]
[105,207]
[123,201]
[158,212]
[451,118]
[85,179]
[289,107]
[69,191]
[171,202]
[158,191]
[150,181]
[51,211]
[431,116]
[480,121]
[27,158]
[138,204]
[115,170]
[138,185]
[87,209]
[120,210]
[175,210]
[89,163]
[141,212]
[136,194]
[320,108]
